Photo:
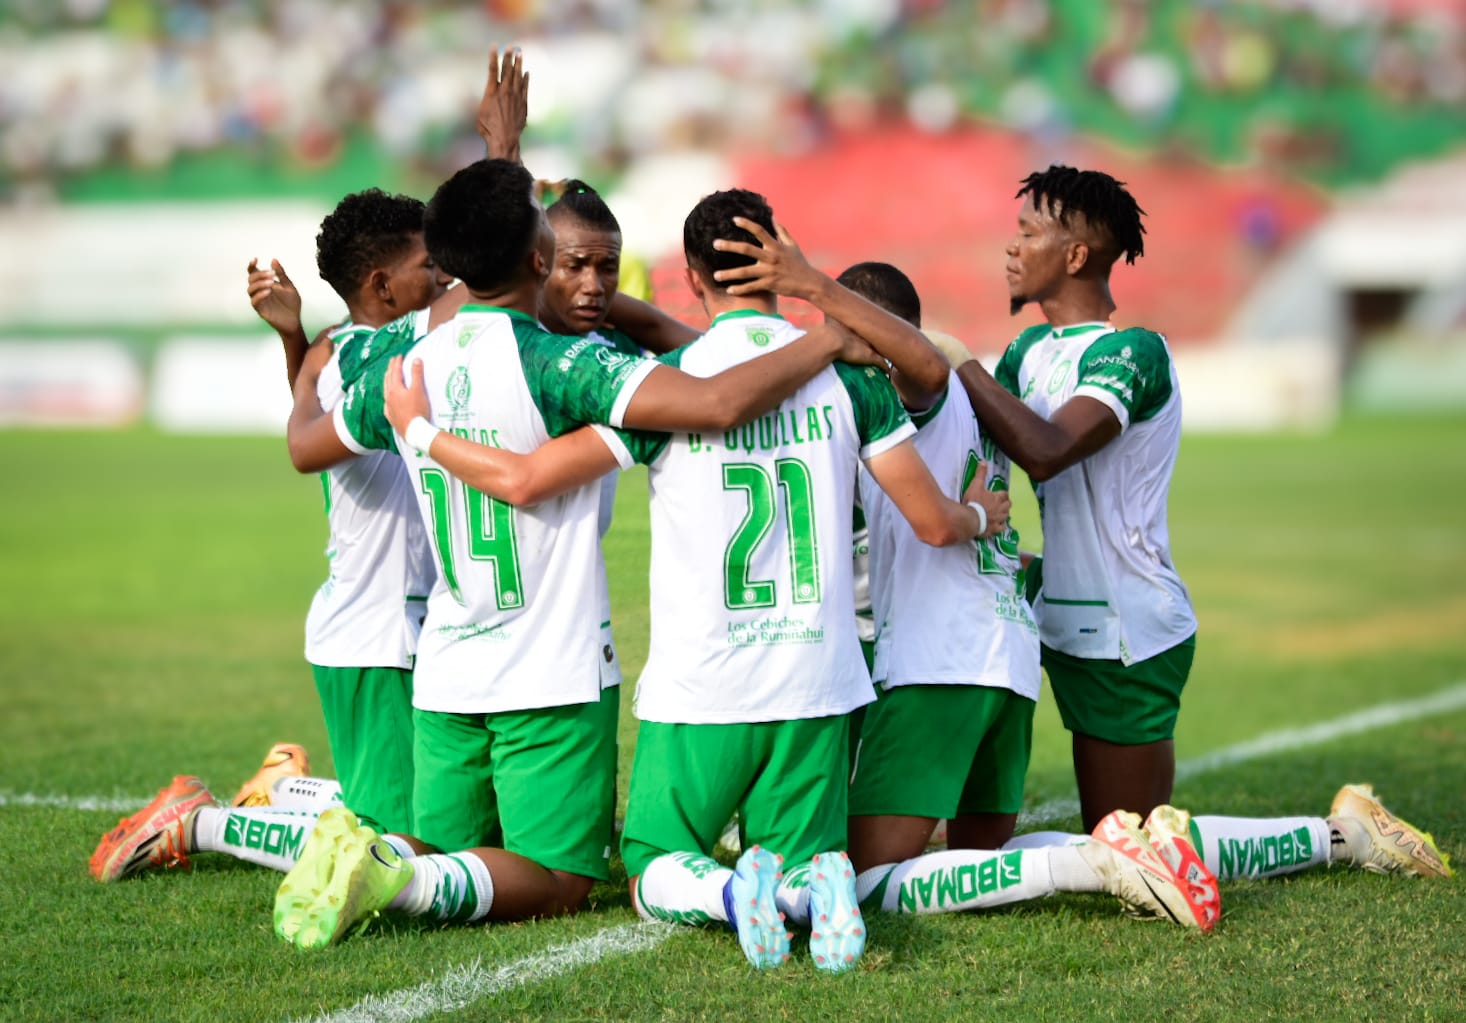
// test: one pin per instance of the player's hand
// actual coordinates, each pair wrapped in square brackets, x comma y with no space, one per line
[996,503]
[503,110]
[779,264]
[404,401]
[274,296]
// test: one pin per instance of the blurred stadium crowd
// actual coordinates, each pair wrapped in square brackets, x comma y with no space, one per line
[1334,89]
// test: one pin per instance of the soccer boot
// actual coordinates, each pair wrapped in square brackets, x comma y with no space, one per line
[836,928]
[284,760]
[1382,842]
[312,872]
[1169,831]
[1135,873]
[363,876]
[753,913]
[155,836]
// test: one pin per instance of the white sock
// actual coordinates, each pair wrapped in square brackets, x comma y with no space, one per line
[685,888]
[944,882]
[792,896]
[1043,839]
[447,886]
[293,793]
[266,835]
[1260,846]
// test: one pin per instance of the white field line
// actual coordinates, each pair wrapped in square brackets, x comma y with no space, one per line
[1282,741]
[1285,740]
[464,985]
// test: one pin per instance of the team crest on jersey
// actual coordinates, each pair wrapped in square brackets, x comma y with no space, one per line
[609,357]
[760,336]
[458,389]
[1058,376]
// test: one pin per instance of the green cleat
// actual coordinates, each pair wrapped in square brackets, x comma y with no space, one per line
[366,875]
[312,872]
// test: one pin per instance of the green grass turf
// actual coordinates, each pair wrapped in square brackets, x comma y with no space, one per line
[151,624]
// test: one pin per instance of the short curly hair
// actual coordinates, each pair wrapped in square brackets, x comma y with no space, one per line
[482,222]
[711,219]
[365,231]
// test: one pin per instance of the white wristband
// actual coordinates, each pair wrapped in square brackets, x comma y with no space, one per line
[982,515]
[420,434]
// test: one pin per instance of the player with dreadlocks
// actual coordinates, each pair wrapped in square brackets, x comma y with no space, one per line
[1093,413]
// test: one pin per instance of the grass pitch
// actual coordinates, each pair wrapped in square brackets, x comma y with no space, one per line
[152,624]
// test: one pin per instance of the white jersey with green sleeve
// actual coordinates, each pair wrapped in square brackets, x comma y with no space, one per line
[513,622]
[1110,589]
[610,663]
[949,615]
[368,612]
[752,612]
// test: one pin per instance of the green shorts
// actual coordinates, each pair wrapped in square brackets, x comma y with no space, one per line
[786,779]
[941,751]
[1126,705]
[368,714]
[540,783]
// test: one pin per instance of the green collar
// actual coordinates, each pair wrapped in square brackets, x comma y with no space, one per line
[738,314]
[518,314]
[1079,328]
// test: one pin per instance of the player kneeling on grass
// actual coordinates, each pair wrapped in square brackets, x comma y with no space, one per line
[754,663]
[957,666]
[515,735]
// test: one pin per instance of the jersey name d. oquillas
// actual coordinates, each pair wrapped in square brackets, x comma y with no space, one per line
[752,613]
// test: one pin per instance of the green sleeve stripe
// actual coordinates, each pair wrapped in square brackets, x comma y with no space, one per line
[920,419]
[1075,603]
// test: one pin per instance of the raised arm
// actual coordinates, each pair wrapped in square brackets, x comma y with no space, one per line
[310,435]
[554,468]
[1043,447]
[917,369]
[277,301]
[671,400]
[503,110]
[935,518]
[648,326]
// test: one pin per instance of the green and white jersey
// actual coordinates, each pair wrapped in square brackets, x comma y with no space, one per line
[513,622]
[752,613]
[949,615]
[370,350]
[610,663]
[1110,589]
[368,612]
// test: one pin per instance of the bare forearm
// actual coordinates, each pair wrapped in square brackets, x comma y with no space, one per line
[918,370]
[673,401]
[501,474]
[1032,441]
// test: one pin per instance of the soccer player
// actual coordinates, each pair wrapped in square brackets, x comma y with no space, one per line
[958,669]
[364,621]
[754,664]
[362,628]
[1093,413]
[512,724]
